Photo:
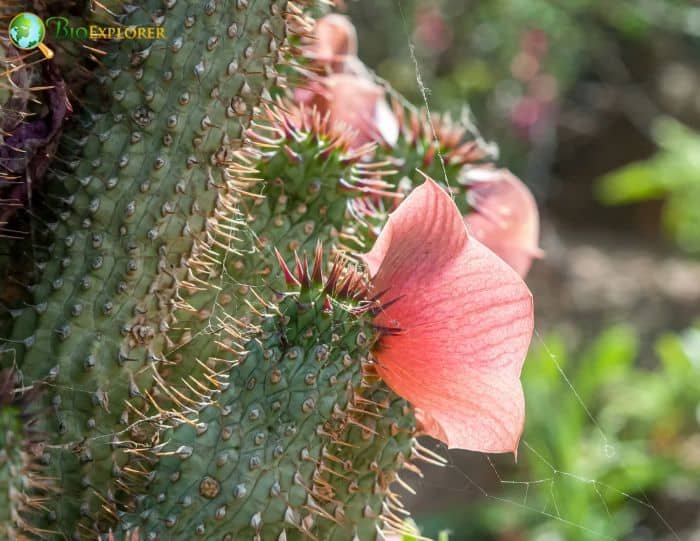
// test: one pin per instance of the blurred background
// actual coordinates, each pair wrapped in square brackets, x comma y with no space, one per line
[595,104]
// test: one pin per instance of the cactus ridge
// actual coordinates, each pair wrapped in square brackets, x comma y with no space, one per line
[302,441]
[287,191]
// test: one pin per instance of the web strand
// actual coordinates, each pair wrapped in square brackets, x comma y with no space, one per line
[424,94]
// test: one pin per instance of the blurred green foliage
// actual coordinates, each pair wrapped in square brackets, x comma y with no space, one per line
[672,173]
[603,439]
[481,38]
[512,62]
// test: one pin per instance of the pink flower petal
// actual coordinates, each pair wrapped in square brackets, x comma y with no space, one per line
[353,102]
[506,219]
[466,320]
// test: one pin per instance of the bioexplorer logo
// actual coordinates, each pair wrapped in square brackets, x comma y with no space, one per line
[61,29]
[27,31]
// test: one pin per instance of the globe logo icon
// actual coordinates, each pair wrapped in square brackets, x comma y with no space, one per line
[27,32]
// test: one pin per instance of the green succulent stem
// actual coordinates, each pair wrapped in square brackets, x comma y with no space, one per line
[300,442]
[149,172]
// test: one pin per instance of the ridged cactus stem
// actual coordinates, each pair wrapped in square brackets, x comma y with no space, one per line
[151,169]
[290,191]
[303,440]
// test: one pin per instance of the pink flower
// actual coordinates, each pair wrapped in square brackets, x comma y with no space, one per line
[505,216]
[334,42]
[464,321]
[345,90]
[353,103]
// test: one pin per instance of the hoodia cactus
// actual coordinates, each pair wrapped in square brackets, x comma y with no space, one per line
[207,358]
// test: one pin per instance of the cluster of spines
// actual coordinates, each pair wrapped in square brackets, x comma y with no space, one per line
[287,139]
[288,187]
[438,135]
[289,374]
[372,434]
[25,488]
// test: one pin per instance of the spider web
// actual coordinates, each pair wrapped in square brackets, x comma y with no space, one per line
[502,478]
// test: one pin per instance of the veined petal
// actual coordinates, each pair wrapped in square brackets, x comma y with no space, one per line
[466,320]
